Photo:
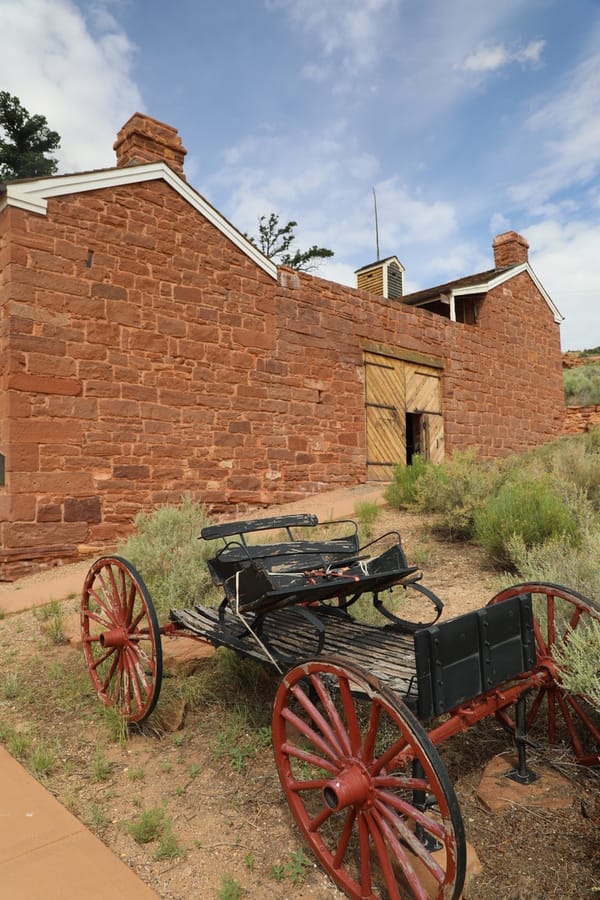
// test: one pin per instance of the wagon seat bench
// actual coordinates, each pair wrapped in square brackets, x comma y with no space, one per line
[305,570]
[360,708]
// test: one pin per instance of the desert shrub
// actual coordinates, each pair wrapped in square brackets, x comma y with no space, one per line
[169,556]
[574,463]
[592,439]
[401,493]
[579,662]
[456,490]
[532,509]
[366,513]
[582,386]
[557,561]
[234,683]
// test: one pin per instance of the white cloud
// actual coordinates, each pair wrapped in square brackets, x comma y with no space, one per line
[349,33]
[531,53]
[566,129]
[499,223]
[76,73]
[406,218]
[490,57]
[324,181]
[566,259]
[486,59]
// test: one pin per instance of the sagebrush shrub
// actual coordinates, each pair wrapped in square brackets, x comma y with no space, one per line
[170,557]
[533,510]
[575,464]
[579,662]
[455,490]
[582,386]
[557,561]
[401,493]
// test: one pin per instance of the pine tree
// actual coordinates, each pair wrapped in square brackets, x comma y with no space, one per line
[275,242]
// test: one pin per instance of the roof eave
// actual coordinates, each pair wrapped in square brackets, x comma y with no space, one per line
[33,195]
[506,275]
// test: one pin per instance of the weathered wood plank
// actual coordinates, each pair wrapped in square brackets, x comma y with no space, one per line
[387,654]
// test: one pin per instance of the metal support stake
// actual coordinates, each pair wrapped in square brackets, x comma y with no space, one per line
[419,801]
[522,775]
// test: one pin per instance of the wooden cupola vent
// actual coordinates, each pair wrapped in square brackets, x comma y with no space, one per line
[384,277]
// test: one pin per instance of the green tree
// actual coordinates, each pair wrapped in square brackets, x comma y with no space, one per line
[24,142]
[276,240]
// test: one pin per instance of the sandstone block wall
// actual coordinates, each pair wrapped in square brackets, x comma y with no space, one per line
[145,356]
[579,419]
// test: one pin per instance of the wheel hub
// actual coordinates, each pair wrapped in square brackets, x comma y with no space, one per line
[114,637]
[352,787]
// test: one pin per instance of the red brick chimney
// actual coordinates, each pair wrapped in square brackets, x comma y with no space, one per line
[142,140]
[510,249]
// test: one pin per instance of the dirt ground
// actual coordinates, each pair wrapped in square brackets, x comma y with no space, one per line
[217,789]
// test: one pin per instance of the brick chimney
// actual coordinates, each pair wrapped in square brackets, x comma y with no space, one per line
[510,249]
[143,140]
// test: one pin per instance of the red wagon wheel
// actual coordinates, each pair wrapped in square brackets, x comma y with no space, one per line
[561,715]
[366,785]
[121,638]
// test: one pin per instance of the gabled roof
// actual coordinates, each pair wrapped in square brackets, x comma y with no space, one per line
[480,283]
[378,263]
[32,194]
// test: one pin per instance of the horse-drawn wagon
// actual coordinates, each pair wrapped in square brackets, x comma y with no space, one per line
[360,708]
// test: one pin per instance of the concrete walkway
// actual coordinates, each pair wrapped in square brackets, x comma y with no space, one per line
[45,852]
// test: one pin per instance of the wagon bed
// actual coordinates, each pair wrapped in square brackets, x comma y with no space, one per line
[388,655]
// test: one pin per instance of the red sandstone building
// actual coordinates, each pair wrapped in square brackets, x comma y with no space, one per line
[149,350]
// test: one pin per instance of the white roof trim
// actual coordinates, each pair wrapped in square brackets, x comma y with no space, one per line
[33,196]
[485,286]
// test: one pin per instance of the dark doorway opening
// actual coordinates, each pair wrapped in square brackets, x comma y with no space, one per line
[413,436]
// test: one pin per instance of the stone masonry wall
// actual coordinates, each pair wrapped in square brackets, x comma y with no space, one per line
[579,419]
[145,356]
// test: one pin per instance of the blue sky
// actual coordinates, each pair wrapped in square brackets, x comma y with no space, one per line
[469,118]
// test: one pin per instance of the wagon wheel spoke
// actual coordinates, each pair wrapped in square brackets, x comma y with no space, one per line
[311,759]
[383,858]
[564,717]
[414,814]
[100,659]
[340,850]
[117,615]
[113,681]
[101,602]
[318,719]
[341,735]
[404,860]
[111,671]
[372,731]
[311,734]
[346,765]
[366,879]
[133,623]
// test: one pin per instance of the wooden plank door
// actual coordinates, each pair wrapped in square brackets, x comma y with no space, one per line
[384,405]
[423,392]
[400,394]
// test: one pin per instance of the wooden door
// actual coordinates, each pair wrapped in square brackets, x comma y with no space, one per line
[384,402]
[400,393]
[423,393]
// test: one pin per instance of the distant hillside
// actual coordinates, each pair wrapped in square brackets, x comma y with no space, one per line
[581,373]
